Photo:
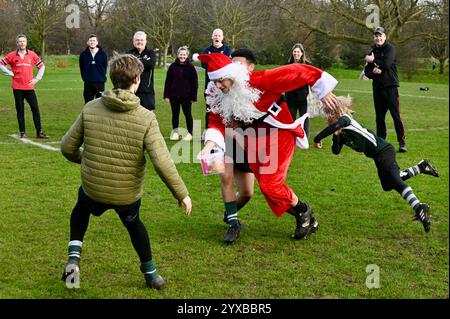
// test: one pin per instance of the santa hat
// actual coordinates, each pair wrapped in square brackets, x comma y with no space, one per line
[220,66]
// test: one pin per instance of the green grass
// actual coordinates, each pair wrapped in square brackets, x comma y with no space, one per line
[359,223]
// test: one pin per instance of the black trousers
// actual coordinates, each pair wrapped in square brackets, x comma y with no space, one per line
[147,100]
[30,97]
[93,90]
[302,109]
[176,103]
[388,99]
[129,215]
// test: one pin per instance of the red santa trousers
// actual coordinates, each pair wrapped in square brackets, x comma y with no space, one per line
[270,152]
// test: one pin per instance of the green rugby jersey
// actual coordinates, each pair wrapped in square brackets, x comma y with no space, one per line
[353,135]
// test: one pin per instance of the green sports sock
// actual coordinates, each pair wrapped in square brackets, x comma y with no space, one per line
[148,268]
[231,213]
[74,251]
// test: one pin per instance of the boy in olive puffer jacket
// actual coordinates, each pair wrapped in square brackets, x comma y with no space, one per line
[115,131]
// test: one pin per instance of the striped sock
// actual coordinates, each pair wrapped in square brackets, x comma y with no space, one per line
[409,196]
[410,172]
[148,269]
[74,251]
[231,213]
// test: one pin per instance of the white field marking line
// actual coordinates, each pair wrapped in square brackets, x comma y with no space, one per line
[408,95]
[423,129]
[28,141]
[61,89]
[50,148]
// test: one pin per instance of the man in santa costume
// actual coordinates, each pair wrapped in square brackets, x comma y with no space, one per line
[252,100]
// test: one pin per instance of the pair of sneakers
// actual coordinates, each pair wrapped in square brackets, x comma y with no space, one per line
[174,136]
[38,135]
[71,276]
[306,224]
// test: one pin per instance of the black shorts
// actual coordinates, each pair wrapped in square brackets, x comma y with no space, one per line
[239,156]
[388,169]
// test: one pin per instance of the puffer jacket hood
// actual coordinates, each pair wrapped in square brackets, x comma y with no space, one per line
[115,132]
[120,100]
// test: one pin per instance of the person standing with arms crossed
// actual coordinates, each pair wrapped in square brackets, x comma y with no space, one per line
[381,67]
[146,91]
[217,46]
[93,65]
[22,62]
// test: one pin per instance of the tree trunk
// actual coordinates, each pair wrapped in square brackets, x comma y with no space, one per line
[43,48]
[159,58]
[442,65]
[166,50]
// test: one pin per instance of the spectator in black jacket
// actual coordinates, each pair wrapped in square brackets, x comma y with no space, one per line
[217,46]
[381,67]
[297,99]
[180,90]
[93,65]
[146,91]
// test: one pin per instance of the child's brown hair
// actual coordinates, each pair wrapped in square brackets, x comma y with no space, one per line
[124,69]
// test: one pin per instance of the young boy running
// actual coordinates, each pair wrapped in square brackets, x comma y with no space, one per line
[116,131]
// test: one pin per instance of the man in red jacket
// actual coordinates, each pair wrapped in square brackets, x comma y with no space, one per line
[253,101]
[22,62]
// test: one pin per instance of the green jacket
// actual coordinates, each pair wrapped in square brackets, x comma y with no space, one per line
[116,131]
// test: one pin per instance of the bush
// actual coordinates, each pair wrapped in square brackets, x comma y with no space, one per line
[353,56]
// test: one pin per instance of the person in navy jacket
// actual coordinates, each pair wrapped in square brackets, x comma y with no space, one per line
[93,65]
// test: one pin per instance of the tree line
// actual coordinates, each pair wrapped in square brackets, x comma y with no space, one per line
[332,31]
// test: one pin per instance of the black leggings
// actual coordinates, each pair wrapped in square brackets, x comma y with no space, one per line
[129,215]
[388,170]
[186,104]
[30,96]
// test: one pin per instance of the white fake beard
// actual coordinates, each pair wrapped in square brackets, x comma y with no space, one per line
[236,105]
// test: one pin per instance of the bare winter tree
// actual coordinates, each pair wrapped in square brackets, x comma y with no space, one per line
[8,16]
[159,20]
[97,12]
[395,16]
[436,31]
[41,17]
[238,19]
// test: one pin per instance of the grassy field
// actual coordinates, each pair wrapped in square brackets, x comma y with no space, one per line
[359,223]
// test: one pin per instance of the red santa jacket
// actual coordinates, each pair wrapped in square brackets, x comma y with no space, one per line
[272,83]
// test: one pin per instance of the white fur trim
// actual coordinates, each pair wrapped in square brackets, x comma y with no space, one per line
[215,136]
[228,70]
[301,142]
[324,85]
